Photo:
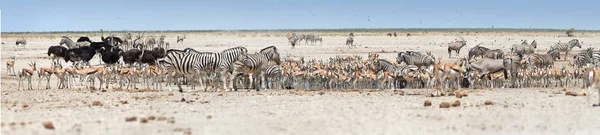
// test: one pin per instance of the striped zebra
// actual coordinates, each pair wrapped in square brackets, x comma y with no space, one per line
[417,59]
[182,63]
[543,60]
[254,64]
[378,65]
[209,63]
[583,58]
[566,47]
[524,48]
[495,54]
[273,74]
[478,50]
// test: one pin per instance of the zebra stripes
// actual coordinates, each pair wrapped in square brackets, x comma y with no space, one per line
[183,63]
[273,73]
[544,60]
[254,64]
[566,47]
[382,65]
[415,58]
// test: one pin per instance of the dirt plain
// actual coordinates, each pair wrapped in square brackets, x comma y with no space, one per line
[513,111]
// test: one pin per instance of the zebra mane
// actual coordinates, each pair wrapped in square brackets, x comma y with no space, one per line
[65,37]
[270,47]
[174,50]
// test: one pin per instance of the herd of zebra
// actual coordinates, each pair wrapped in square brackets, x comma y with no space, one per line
[295,39]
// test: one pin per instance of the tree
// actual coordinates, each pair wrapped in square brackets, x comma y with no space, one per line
[570,32]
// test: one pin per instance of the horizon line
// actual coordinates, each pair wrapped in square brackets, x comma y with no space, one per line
[315,29]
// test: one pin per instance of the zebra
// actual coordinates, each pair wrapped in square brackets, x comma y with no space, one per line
[293,40]
[253,64]
[378,65]
[566,47]
[182,63]
[219,63]
[350,41]
[478,50]
[21,41]
[273,73]
[309,37]
[180,39]
[544,60]
[524,48]
[418,60]
[67,41]
[315,39]
[494,54]
[582,58]
[456,46]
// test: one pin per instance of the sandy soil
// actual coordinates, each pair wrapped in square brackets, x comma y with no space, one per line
[514,111]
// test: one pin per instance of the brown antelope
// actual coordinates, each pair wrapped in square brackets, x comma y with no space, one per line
[63,76]
[92,73]
[10,65]
[152,74]
[593,77]
[27,73]
[45,73]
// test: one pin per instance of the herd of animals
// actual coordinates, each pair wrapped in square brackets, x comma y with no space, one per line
[127,60]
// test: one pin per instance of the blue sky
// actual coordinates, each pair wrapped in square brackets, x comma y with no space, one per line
[93,15]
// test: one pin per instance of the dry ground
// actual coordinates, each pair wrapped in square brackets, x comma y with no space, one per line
[520,111]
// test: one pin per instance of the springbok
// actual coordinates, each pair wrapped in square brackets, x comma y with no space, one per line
[27,73]
[45,73]
[10,65]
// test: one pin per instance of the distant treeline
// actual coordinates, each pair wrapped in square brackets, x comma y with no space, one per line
[336,30]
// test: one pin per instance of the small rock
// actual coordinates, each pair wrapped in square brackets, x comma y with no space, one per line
[144,120]
[209,117]
[96,103]
[151,118]
[25,105]
[427,103]
[459,95]
[488,102]
[130,119]
[48,125]
[456,103]
[161,118]
[321,93]
[124,102]
[445,105]
[219,94]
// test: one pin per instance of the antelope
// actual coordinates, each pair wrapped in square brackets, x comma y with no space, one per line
[10,65]
[45,73]
[91,73]
[152,74]
[62,75]
[593,77]
[27,73]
